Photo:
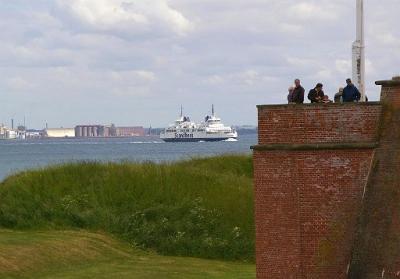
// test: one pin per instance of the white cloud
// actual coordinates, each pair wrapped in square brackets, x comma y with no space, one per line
[370,68]
[388,39]
[249,77]
[301,62]
[127,14]
[252,77]
[103,13]
[324,74]
[214,80]
[104,57]
[18,83]
[291,28]
[343,66]
[309,11]
[134,76]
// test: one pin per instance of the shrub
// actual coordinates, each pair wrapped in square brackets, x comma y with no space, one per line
[200,207]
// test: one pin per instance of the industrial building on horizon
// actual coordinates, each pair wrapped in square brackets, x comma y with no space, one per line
[131,131]
[10,133]
[95,131]
[59,133]
[80,131]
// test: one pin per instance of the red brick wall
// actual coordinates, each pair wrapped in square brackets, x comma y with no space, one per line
[308,200]
[306,209]
[318,124]
[376,251]
[391,142]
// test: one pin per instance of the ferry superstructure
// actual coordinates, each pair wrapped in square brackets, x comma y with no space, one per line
[212,129]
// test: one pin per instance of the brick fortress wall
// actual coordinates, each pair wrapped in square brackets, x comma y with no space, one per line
[311,169]
[376,251]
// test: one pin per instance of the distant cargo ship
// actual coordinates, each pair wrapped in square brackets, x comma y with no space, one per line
[184,130]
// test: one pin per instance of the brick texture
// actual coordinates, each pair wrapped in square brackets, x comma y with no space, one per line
[306,210]
[318,123]
[376,253]
[307,202]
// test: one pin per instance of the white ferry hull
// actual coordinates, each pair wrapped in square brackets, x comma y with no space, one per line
[196,137]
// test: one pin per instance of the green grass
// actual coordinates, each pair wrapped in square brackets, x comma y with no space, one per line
[198,208]
[80,254]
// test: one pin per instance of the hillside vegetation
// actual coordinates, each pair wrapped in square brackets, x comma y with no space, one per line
[199,208]
[79,254]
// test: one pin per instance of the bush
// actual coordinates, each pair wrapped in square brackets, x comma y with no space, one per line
[201,207]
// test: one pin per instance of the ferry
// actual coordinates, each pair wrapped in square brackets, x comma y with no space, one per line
[184,130]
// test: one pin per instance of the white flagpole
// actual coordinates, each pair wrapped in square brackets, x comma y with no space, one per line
[359,52]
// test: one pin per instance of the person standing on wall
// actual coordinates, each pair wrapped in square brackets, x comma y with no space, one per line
[316,95]
[338,95]
[350,92]
[290,94]
[298,93]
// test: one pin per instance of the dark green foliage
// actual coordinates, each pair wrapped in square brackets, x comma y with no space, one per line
[189,229]
[201,207]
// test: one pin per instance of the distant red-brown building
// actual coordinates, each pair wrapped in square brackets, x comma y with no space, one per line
[130,132]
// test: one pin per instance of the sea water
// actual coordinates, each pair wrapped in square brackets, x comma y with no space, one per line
[18,155]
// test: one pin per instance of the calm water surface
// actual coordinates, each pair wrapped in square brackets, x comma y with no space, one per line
[21,155]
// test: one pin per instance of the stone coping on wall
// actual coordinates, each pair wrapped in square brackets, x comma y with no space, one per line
[317,146]
[393,82]
[320,105]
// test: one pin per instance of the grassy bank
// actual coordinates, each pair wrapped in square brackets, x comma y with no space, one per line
[201,208]
[79,254]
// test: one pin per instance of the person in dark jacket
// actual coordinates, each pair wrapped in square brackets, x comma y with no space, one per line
[298,93]
[316,95]
[350,92]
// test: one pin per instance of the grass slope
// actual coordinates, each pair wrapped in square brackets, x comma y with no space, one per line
[200,208]
[79,254]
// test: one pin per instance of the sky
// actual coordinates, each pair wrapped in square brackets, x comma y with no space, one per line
[135,62]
